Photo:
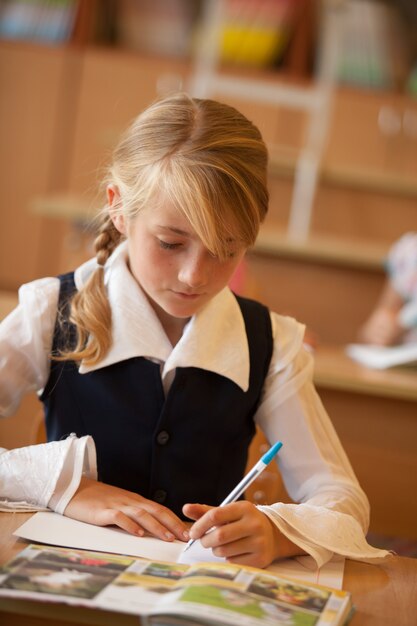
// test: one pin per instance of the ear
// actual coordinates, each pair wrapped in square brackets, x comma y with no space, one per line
[115,204]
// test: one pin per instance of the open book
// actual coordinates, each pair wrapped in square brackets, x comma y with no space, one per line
[380,357]
[170,593]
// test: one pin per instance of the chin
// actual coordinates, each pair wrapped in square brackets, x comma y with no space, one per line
[185,310]
[182,313]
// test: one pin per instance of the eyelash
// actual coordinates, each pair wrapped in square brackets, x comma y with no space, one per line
[168,246]
[165,245]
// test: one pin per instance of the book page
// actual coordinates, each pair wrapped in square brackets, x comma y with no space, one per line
[222,592]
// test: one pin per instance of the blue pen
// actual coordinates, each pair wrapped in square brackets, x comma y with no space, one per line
[257,469]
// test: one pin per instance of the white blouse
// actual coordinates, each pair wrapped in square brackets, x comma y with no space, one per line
[333,512]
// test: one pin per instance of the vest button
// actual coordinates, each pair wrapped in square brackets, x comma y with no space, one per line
[160,495]
[162,438]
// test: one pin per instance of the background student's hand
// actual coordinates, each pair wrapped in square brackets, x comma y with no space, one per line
[242,534]
[103,505]
[382,328]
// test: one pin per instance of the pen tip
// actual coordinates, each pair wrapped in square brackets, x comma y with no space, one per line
[189,544]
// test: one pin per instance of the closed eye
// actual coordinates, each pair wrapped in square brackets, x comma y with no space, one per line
[168,246]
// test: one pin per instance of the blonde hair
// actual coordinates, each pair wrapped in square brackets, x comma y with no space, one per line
[207,159]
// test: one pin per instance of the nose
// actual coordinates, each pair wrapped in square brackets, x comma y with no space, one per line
[195,271]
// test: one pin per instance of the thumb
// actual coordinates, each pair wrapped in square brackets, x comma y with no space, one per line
[195,511]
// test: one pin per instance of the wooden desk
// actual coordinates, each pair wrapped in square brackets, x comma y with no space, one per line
[375,415]
[384,595]
[334,369]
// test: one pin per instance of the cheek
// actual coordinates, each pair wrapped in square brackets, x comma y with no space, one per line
[237,266]
[227,273]
[143,265]
[157,264]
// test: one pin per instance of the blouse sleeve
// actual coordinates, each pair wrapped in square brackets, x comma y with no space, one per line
[44,475]
[332,512]
[26,341]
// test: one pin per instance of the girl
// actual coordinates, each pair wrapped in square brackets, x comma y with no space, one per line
[159,373]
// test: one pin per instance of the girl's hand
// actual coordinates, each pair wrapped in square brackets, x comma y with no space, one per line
[242,534]
[104,505]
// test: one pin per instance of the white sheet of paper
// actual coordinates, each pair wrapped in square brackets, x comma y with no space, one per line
[57,530]
[383,357]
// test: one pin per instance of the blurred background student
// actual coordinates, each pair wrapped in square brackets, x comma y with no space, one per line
[394,318]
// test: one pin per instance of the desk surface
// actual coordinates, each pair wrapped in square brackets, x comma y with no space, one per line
[335,370]
[383,595]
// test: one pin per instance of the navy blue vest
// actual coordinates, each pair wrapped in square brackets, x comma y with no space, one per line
[190,446]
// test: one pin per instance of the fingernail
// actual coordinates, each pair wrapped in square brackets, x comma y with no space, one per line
[140,532]
[186,534]
[169,536]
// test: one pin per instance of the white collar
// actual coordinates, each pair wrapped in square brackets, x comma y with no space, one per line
[214,339]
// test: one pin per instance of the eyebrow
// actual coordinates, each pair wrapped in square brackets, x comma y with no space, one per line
[184,233]
[172,229]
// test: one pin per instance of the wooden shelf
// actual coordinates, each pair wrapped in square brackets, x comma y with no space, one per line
[272,239]
[75,208]
[283,163]
[322,248]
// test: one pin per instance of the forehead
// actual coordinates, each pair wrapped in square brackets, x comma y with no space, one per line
[163,215]
[216,230]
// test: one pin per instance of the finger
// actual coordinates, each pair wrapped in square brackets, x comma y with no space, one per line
[113,517]
[164,518]
[150,524]
[195,511]
[225,535]
[245,551]
[213,517]
[234,522]
[251,559]
[234,549]
[172,522]
[159,522]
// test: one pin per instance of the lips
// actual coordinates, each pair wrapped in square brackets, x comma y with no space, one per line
[187,296]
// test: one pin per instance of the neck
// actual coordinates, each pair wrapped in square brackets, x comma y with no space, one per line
[174,334]
[173,326]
